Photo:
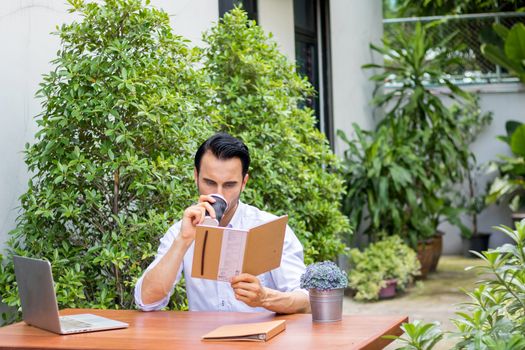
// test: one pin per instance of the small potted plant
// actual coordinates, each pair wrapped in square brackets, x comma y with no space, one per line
[382,269]
[325,282]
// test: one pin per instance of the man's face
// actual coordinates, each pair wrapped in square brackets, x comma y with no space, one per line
[223,177]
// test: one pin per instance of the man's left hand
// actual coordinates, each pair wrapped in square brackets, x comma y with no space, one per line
[248,289]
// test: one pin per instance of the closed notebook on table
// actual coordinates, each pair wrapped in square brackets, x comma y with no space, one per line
[261,331]
[221,252]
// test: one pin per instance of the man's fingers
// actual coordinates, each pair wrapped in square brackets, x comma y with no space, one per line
[196,214]
[245,300]
[209,208]
[246,294]
[244,277]
[201,215]
[246,286]
[206,198]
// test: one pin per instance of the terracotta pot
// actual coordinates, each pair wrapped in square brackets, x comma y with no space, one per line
[437,248]
[388,291]
[425,255]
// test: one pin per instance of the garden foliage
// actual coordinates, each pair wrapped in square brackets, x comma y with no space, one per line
[260,98]
[495,316]
[510,184]
[510,51]
[403,172]
[123,112]
[384,260]
[111,163]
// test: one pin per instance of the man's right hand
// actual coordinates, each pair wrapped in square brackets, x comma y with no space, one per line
[158,281]
[195,215]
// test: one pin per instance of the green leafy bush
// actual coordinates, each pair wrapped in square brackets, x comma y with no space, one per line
[496,313]
[387,259]
[495,316]
[419,335]
[123,112]
[111,163]
[259,97]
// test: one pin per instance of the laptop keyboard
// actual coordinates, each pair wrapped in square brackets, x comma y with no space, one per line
[69,323]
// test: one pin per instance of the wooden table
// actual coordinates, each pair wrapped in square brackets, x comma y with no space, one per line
[183,330]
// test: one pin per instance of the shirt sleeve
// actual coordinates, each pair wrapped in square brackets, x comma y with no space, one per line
[165,244]
[287,277]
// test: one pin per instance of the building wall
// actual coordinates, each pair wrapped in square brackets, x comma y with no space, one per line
[354,25]
[276,16]
[27,48]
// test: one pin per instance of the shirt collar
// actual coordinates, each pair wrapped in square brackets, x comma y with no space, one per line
[235,222]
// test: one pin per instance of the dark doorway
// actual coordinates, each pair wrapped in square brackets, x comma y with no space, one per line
[312,54]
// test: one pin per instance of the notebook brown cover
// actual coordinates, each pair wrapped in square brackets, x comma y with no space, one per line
[262,252]
[261,331]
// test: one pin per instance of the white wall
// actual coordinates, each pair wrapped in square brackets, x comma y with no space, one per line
[354,25]
[190,18]
[276,16]
[27,48]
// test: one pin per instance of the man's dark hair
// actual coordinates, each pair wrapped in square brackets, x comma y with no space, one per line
[224,146]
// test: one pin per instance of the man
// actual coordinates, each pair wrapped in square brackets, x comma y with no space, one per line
[221,166]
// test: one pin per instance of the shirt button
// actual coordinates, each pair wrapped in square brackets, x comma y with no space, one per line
[223,303]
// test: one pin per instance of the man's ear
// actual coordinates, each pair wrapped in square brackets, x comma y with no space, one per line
[244,181]
[196,176]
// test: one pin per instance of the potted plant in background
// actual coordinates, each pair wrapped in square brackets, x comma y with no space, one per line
[507,51]
[382,269]
[471,200]
[325,282]
[473,238]
[510,184]
[400,173]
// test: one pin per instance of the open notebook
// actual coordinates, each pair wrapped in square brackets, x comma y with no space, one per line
[261,331]
[221,253]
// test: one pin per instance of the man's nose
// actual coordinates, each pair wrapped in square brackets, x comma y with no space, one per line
[220,190]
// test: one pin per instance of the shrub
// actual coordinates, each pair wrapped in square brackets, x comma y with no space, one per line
[379,262]
[111,163]
[260,98]
[323,276]
[495,317]
[421,126]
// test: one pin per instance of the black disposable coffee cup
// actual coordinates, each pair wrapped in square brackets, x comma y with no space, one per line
[219,206]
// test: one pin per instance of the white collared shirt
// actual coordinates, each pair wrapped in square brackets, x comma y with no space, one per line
[209,295]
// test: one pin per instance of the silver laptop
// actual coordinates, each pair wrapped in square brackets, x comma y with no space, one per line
[39,304]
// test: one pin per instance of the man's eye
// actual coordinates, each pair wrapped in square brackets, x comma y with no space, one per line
[229,185]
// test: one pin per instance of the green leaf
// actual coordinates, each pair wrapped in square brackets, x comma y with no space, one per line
[517,141]
[515,43]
